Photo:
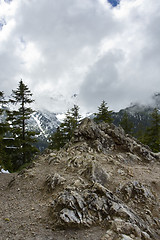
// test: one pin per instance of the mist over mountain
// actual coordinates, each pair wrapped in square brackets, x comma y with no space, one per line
[139,114]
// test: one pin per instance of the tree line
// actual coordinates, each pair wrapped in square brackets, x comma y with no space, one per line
[17,142]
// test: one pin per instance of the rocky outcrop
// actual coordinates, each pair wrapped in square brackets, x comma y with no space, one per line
[81,207]
[54,180]
[84,207]
[88,200]
[105,137]
[137,191]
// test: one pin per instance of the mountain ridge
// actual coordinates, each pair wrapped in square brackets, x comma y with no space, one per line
[46,122]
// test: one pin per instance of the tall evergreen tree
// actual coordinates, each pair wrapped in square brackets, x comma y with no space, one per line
[3,127]
[57,140]
[66,129]
[126,124]
[103,115]
[2,111]
[75,114]
[152,134]
[23,138]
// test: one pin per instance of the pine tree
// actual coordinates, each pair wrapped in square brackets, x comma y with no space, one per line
[66,129]
[2,110]
[75,115]
[152,134]
[57,140]
[103,115]
[23,148]
[126,124]
[3,127]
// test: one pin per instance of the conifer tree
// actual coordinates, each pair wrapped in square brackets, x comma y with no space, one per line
[126,124]
[3,127]
[2,110]
[152,134]
[57,140]
[17,118]
[66,129]
[75,115]
[103,115]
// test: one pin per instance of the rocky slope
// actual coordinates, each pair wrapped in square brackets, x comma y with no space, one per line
[104,185]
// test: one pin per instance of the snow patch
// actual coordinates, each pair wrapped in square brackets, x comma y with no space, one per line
[39,125]
[61,116]
[4,171]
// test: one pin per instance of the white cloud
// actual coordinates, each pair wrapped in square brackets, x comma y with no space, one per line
[81,46]
[136,74]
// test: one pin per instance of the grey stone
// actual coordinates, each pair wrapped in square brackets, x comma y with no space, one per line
[54,180]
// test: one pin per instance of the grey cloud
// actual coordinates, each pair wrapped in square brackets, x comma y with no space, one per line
[68,36]
[61,30]
[102,81]
[62,22]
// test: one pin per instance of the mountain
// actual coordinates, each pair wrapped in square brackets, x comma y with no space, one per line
[104,185]
[139,115]
[45,124]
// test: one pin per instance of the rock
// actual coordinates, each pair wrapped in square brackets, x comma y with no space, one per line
[145,236]
[110,235]
[125,237]
[136,190]
[105,137]
[77,162]
[120,226]
[54,180]
[77,208]
[95,173]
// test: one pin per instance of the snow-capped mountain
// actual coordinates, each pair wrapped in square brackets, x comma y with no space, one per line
[46,122]
[43,122]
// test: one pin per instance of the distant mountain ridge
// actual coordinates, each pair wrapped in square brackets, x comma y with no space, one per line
[45,122]
[138,114]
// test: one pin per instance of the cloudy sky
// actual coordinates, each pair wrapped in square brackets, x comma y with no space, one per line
[87,47]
